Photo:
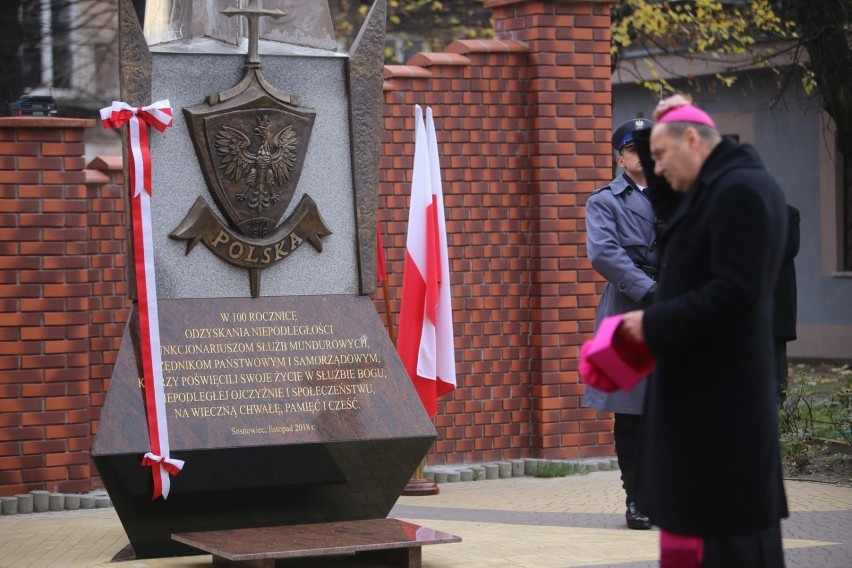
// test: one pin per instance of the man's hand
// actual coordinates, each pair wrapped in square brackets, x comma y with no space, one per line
[667,104]
[631,326]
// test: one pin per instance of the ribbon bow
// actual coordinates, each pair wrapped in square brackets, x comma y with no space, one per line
[158,115]
[172,466]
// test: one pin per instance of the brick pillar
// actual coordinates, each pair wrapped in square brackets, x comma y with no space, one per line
[569,112]
[477,93]
[109,301]
[45,431]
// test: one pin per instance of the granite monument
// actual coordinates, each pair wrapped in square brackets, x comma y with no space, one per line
[284,395]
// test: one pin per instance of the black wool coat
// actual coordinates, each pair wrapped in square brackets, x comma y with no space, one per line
[710,460]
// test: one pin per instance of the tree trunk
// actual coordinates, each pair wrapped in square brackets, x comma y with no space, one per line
[11,87]
[822,27]
[846,203]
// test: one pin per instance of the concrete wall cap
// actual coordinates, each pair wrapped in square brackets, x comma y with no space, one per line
[487,46]
[411,71]
[427,59]
[94,177]
[45,122]
[491,4]
[106,164]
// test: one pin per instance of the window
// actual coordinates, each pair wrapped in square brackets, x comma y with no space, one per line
[835,185]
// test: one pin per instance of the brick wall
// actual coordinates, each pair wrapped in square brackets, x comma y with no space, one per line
[523,124]
[51,277]
[477,94]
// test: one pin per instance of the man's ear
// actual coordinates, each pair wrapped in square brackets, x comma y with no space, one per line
[692,138]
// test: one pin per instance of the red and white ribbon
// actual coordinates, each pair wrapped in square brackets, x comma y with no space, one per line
[158,115]
[172,466]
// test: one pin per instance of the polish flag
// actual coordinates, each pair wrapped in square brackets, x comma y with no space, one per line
[425,343]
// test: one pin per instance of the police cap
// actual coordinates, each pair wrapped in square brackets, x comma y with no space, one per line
[623,135]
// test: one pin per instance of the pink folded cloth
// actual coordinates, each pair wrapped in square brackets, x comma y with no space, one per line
[687,113]
[680,551]
[609,362]
[591,373]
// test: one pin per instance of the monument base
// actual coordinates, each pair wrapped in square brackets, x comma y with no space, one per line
[374,542]
[312,419]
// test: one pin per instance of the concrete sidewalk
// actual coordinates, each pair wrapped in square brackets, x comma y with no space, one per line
[519,522]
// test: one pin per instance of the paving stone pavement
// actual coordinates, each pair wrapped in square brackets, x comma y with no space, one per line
[568,522]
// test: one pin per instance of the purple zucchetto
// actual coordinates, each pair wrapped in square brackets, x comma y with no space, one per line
[687,113]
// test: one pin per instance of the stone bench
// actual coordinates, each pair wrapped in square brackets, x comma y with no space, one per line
[374,542]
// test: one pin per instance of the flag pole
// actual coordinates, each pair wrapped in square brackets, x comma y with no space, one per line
[388,312]
[382,276]
[418,484]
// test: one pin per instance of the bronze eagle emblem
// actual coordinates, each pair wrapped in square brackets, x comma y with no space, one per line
[263,172]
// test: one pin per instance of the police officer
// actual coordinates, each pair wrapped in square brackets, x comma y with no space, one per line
[620,242]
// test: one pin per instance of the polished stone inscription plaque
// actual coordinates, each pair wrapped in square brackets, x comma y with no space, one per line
[254,375]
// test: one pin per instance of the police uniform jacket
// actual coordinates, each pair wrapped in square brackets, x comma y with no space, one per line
[712,397]
[620,239]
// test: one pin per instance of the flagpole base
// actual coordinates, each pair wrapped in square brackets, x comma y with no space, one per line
[419,487]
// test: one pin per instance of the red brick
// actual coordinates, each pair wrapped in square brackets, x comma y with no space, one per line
[9,419]
[19,177]
[20,291]
[18,234]
[64,178]
[19,149]
[63,149]
[41,134]
[43,447]
[73,234]
[39,163]
[77,444]
[66,262]
[44,474]
[65,290]
[21,462]
[66,459]
[18,434]
[79,471]
[66,402]
[64,374]
[42,305]
[66,431]
[21,348]
[39,248]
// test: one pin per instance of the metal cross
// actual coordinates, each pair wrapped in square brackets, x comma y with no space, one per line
[253,17]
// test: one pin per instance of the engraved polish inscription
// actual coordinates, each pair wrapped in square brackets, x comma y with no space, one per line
[266,373]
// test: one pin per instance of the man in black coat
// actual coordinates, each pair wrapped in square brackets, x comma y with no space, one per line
[710,461]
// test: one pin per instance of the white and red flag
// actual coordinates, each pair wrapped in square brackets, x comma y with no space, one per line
[425,343]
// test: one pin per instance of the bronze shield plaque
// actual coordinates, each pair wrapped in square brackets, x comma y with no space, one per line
[251,153]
